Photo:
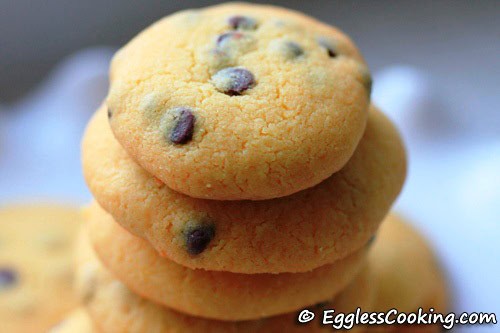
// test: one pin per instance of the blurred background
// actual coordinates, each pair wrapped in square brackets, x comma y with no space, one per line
[436,73]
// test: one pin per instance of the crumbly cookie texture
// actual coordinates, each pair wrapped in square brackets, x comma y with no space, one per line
[209,294]
[239,101]
[36,271]
[297,233]
[114,308]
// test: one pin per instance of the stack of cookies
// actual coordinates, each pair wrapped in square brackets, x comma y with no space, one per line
[240,175]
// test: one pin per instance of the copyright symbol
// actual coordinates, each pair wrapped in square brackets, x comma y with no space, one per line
[305,316]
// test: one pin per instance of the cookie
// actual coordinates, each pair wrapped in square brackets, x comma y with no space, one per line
[239,101]
[78,321]
[418,281]
[36,272]
[407,275]
[360,293]
[292,234]
[403,275]
[114,308]
[217,295]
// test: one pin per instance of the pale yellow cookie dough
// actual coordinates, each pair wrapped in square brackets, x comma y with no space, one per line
[36,266]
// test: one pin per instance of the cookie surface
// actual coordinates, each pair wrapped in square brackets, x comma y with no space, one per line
[239,101]
[403,275]
[78,321]
[36,266]
[114,308]
[407,274]
[209,294]
[292,234]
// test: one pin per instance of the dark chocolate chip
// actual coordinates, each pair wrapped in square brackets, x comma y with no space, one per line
[368,83]
[294,49]
[233,80]
[8,278]
[371,240]
[286,48]
[321,305]
[228,36]
[110,113]
[331,53]
[242,22]
[198,238]
[182,131]
[366,78]
[328,45]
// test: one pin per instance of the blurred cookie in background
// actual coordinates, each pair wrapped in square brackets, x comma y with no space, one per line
[36,271]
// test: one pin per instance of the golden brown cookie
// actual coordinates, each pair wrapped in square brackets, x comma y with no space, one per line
[407,274]
[114,308]
[36,271]
[209,294]
[239,101]
[292,234]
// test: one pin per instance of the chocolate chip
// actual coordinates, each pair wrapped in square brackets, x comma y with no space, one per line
[225,37]
[182,132]
[242,22]
[229,47]
[321,305]
[110,113]
[365,78]
[331,53]
[368,83]
[294,49]
[198,238]
[233,80]
[286,48]
[8,278]
[328,45]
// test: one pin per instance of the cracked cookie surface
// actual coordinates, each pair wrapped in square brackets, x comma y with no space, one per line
[296,233]
[278,101]
[114,308]
[210,294]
